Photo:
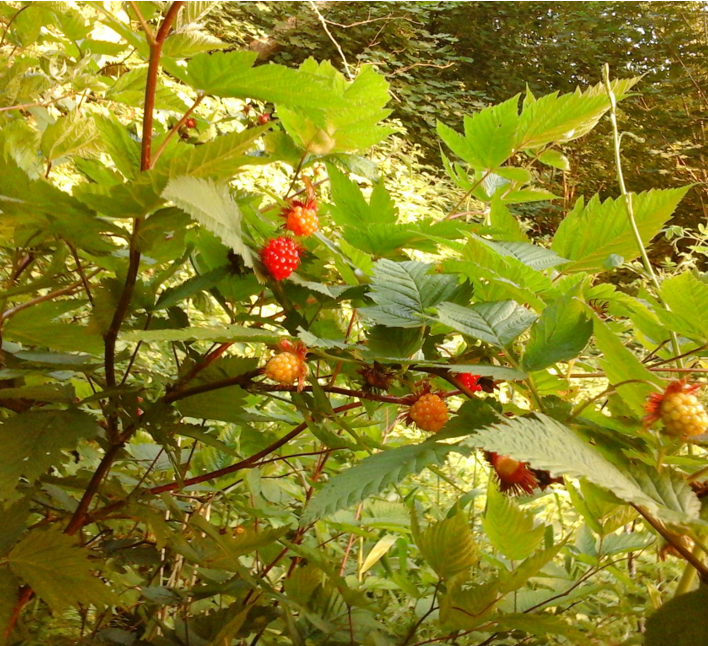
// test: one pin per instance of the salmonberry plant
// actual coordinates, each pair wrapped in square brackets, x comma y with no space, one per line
[246,399]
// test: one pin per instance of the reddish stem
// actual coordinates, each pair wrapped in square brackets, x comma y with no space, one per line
[172,486]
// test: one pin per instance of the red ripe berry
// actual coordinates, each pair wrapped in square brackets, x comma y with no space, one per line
[513,476]
[301,218]
[263,119]
[281,257]
[191,123]
[469,381]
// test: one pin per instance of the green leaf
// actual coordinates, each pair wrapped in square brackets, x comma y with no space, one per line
[132,199]
[591,233]
[509,529]
[74,134]
[225,404]
[213,207]
[467,609]
[220,159]
[511,581]
[231,74]
[540,624]
[535,256]
[681,621]
[58,571]
[194,285]
[392,343]
[32,328]
[403,291]
[471,416]
[687,296]
[505,225]
[189,42]
[620,365]
[32,442]
[372,475]
[349,126]
[496,323]
[624,542]
[122,148]
[235,333]
[547,444]
[667,488]
[554,158]
[13,520]
[490,136]
[558,118]
[560,334]
[448,546]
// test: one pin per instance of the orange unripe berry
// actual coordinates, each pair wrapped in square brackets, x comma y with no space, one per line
[429,413]
[302,220]
[286,368]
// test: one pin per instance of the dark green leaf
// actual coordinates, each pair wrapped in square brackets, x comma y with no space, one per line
[559,335]
[33,442]
[496,323]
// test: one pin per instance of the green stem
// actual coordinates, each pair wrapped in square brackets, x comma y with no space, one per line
[628,204]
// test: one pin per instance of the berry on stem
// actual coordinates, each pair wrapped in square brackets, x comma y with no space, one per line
[513,476]
[289,365]
[679,409]
[281,256]
[301,218]
[429,413]
[470,381]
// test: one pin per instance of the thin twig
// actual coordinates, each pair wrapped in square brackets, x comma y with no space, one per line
[336,44]
[670,537]
[46,297]
[143,23]
[248,462]
[177,126]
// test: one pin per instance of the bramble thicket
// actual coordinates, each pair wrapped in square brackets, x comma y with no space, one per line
[277,368]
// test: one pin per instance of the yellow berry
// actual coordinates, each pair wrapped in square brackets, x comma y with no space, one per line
[683,415]
[429,413]
[286,368]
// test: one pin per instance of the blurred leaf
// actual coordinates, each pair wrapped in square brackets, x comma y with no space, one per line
[681,621]
[508,527]
[33,442]
[448,546]
[58,570]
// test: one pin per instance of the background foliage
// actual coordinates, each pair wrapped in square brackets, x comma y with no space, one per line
[157,488]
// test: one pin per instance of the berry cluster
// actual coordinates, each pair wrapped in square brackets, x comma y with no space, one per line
[679,409]
[281,256]
[429,413]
